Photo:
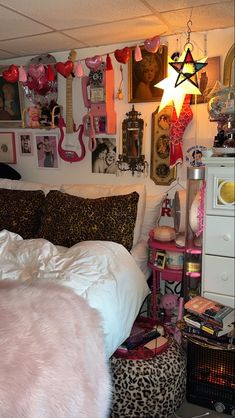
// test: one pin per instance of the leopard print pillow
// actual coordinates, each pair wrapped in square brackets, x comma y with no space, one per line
[69,219]
[20,211]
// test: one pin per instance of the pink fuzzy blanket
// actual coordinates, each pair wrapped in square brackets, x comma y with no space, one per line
[52,362]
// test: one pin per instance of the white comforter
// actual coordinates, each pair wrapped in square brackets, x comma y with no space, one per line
[102,272]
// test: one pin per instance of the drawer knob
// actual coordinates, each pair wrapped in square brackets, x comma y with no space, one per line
[224,276]
[227,237]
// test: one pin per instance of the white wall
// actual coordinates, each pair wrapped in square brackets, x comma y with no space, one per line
[200,130]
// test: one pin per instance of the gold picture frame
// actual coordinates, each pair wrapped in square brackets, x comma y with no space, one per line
[141,85]
[11,98]
[160,171]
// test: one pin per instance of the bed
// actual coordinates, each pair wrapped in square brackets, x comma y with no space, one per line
[90,238]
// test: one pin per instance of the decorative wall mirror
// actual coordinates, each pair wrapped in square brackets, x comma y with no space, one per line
[229,68]
[160,171]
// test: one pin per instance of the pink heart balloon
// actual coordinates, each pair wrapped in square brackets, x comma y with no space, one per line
[94,63]
[36,71]
[152,44]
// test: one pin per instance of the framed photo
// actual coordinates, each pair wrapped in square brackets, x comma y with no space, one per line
[7,148]
[47,151]
[11,103]
[160,171]
[25,143]
[160,260]
[103,158]
[207,78]
[144,74]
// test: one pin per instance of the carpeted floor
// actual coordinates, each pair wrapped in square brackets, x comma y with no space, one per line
[189,410]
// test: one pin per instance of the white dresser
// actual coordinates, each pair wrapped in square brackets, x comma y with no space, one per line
[218,278]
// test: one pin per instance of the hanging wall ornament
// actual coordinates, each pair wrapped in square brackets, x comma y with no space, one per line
[94,63]
[187,69]
[109,65]
[78,70]
[12,74]
[152,44]
[22,74]
[138,55]
[122,55]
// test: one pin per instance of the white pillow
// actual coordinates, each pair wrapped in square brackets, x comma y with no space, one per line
[93,191]
[27,185]
[152,214]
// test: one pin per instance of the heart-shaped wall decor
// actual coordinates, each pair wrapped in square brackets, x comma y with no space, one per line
[94,63]
[152,44]
[50,73]
[122,55]
[12,74]
[36,71]
[64,69]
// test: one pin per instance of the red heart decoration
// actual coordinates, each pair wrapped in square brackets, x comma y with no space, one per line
[152,44]
[12,74]
[36,71]
[94,63]
[122,55]
[64,69]
[50,73]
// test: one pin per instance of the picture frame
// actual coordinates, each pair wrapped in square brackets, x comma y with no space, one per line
[160,260]
[25,144]
[7,148]
[160,171]
[103,158]
[144,74]
[47,151]
[11,103]
[207,78]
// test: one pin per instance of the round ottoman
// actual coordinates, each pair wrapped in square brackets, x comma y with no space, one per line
[149,388]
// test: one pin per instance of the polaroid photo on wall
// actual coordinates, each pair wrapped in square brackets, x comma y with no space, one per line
[47,151]
[25,143]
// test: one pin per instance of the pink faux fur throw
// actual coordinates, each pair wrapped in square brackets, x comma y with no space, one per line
[52,362]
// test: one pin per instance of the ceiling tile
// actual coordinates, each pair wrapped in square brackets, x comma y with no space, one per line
[168,5]
[40,44]
[14,25]
[124,31]
[76,13]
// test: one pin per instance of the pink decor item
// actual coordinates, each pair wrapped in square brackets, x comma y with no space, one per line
[178,126]
[79,70]
[36,71]
[152,44]
[22,74]
[52,354]
[138,55]
[94,63]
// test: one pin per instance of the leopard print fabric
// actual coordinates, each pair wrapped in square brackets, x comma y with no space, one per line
[152,388]
[69,219]
[20,211]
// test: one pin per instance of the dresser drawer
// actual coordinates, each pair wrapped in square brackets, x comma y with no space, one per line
[218,274]
[220,190]
[219,236]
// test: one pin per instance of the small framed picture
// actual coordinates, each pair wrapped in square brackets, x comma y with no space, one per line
[25,143]
[47,151]
[7,148]
[160,260]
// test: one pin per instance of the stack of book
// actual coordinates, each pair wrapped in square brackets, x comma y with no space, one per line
[209,318]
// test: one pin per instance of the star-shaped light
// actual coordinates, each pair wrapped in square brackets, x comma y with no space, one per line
[187,69]
[176,94]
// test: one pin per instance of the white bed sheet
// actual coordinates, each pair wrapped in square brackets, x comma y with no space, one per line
[102,272]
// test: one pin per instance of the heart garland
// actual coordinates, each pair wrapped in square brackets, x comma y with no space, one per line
[12,74]
[65,69]
[94,63]
[152,44]
[122,55]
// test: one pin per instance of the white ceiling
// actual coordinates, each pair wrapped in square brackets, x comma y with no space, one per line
[30,27]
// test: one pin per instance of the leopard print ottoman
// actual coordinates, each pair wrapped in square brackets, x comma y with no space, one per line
[150,388]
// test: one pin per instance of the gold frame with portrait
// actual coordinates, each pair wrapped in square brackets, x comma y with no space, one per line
[17,103]
[135,68]
[160,171]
